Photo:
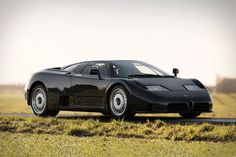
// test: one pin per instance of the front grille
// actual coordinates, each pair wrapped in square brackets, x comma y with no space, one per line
[180,107]
[177,107]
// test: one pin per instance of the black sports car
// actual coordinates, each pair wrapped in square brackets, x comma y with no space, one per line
[119,88]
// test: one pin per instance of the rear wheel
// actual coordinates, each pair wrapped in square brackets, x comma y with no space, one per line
[39,102]
[190,115]
[119,103]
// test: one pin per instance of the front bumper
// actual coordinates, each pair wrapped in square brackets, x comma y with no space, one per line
[174,108]
[27,96]
[173,102]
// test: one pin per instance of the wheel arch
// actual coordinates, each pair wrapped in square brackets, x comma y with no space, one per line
[32,87]
[109,89]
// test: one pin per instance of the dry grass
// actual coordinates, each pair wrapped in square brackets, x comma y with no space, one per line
[34,145]
[118,128]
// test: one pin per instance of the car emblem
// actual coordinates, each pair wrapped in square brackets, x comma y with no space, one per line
[191,105]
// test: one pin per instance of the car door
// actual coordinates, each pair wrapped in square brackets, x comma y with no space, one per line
[88,90]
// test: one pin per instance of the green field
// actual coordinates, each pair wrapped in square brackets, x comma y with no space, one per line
[154,129]
[34,136]
[90,136]
[62,145]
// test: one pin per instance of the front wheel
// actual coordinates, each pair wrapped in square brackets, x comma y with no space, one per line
[190,115]
[39,102]
[119,103]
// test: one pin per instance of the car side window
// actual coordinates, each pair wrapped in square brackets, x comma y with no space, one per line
[78,68]
[86,70]
[101,67]
[75,67]
[70,68]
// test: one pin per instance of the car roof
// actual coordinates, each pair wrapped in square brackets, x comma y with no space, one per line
[109,60]
[99,61]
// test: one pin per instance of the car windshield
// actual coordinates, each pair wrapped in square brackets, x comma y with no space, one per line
[127,69]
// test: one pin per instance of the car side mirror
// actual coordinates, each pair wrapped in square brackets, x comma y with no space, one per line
[95,71]
[175,71]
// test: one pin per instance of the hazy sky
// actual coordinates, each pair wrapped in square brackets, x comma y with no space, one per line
[198,37]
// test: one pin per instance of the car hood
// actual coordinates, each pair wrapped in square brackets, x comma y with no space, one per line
[173,84]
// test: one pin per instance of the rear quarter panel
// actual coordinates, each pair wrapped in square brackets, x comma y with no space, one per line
[57,83]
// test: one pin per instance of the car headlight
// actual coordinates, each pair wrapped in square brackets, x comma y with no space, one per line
[157,88]
[192,87]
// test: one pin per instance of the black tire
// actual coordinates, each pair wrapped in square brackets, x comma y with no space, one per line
[119,105]
[53,113]
[106,113]
[190,115]
[39,103]
[130,115]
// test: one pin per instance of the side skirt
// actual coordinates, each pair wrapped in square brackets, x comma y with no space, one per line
[81,108]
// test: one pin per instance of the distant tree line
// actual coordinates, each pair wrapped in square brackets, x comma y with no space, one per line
[225,85]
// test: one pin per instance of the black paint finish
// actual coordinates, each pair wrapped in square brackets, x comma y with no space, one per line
[72,90]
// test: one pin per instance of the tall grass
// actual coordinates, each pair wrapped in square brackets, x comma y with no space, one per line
[35,145]
[118,128]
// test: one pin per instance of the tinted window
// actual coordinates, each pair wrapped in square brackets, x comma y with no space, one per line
[75,67]
[86,69]
[101,66]
[70,68]
[79,67]
[103,69]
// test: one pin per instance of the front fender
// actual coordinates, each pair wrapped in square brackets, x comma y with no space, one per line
[130,85]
